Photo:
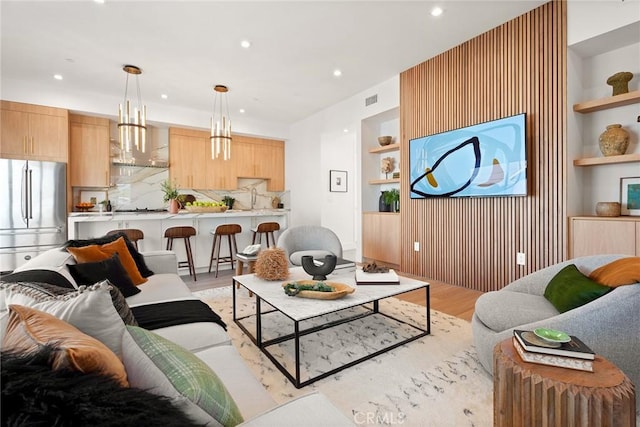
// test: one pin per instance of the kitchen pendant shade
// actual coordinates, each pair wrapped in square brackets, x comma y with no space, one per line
[132,122]
[220,125]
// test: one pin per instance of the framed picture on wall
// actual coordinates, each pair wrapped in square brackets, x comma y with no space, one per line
[338,181]
[630,195]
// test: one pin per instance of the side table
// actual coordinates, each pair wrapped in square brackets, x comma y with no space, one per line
[529,394]
[251,263]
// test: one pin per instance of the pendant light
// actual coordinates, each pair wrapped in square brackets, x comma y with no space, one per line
[132,124]
[220,125]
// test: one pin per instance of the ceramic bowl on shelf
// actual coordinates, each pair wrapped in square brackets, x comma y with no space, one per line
[385,140]
[608,209]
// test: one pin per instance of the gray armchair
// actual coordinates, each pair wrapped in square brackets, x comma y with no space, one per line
[311,240]
[610,325]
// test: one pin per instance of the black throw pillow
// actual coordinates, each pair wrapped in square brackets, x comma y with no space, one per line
[110,269]
[35,395]
[38,276]
[137,256]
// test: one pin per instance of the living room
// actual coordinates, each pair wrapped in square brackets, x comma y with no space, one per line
[474,243]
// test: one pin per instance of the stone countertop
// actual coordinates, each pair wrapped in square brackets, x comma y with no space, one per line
[115,216]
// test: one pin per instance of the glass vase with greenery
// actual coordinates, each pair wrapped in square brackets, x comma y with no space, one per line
[392,198]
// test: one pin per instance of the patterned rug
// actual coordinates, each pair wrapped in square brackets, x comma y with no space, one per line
[433,381]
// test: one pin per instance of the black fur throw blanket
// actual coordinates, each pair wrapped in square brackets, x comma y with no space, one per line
[35,395]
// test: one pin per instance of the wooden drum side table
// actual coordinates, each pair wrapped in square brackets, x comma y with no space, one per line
[529,394]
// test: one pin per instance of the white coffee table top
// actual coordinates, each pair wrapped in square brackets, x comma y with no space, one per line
[304,308]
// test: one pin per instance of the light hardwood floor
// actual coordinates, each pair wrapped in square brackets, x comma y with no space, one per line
[454,300]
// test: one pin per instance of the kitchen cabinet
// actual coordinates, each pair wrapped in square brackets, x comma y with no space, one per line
[260,158]
[187,158]
[34,132]
[592,235]
[221,174]
[89,161]
[381,237]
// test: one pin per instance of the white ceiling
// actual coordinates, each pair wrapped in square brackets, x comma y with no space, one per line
[186,47]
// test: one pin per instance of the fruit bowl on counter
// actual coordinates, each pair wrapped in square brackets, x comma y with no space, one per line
[85,206]
[205,207]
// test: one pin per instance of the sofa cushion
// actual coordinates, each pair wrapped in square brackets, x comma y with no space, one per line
[502,310]
[28,330]
[55,260]
[137,257]
[33,394]
[159,288]
[41,276]
[624,271]
[156,364]
[570,289]
[89,309]
[109,269]
[296,257]
[93,253]
[195,336]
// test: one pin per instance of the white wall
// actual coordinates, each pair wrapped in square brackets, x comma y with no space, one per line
[318,144]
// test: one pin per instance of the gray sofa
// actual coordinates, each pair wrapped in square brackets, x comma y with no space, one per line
[209,342]
[610,325]
[312,240]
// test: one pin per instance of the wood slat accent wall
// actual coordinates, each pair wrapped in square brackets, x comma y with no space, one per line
[515,68]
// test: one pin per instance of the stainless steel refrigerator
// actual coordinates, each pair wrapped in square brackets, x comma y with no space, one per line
[33,212]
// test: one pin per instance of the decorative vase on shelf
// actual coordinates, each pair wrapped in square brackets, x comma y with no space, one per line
[382,206]
[174,206]
[614,141]
[620,82]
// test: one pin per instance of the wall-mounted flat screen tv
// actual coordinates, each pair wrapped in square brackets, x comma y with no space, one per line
[483,160]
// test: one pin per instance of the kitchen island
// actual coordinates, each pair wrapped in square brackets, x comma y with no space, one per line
[85,225]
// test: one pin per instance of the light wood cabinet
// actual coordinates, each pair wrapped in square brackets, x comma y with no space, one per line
[89,161]
[34,132]
[260,158]
[381,237]
[221,174]
[604,235]
[187,158]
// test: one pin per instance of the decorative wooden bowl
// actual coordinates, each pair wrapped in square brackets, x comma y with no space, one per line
[84,207]
[206,209]
[340,290]
[608,209]
[385,140]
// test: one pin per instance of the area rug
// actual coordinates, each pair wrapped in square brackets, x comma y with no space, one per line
[436,380]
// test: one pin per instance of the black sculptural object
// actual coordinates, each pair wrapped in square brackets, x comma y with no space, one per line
[319,272]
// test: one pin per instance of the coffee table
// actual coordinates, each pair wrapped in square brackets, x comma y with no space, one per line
[307,317]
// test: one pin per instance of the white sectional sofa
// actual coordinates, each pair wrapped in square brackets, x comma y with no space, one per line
[211,344]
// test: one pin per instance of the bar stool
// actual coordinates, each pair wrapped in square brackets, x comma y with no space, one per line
[229,230]
[133,234]
[182,233]
[266,228]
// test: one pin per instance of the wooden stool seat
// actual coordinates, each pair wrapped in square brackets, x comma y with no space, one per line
[182,233]
[133,234]
[266,228]
[229,230]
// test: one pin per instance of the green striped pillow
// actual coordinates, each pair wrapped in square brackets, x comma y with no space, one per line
[178,374]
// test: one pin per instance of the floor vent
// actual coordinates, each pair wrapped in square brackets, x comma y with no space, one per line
[370,100]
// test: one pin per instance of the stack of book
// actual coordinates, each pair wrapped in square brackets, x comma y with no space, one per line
[573,355]
[388,278]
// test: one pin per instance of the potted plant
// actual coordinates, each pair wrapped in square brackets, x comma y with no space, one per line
[392,198]
[171,195]
[228,200]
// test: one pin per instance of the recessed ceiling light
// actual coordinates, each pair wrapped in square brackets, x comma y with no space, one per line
[345,130]
[164,96]
[337,73]
[57,76]
[245,44]
[99,1]
[241,111]
[436,11]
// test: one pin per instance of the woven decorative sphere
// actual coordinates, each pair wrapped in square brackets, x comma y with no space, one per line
[272,264]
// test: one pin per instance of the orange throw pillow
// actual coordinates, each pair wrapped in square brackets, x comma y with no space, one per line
[94,253]
[624,271]
[28,329]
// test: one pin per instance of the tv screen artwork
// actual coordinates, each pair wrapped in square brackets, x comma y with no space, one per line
[483,160]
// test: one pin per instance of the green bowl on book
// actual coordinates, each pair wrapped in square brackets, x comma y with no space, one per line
[552,335]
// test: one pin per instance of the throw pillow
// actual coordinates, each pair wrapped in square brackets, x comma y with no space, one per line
[90,309]
[24,293]
[624,271]
[33,394]
[137,256]
[110,269]
[570,289]
[41,276]
[95,253]
[120,304]
[28,330]
[163,367]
